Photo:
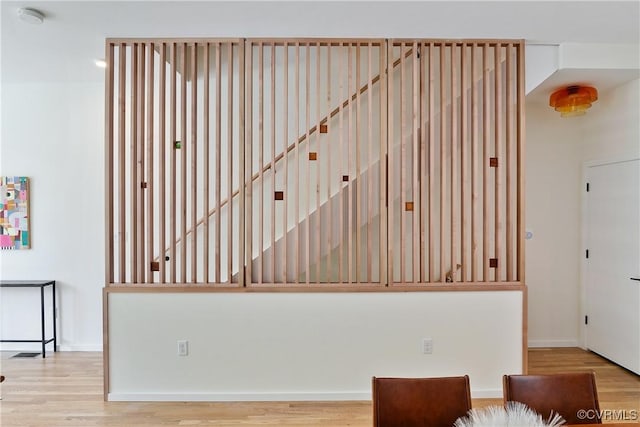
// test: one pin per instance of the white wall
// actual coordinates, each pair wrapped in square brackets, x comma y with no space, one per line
[613,130]
[557,150]
[53,134]
[552,213]
[307,346]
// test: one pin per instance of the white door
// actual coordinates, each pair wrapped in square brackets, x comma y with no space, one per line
[613,244]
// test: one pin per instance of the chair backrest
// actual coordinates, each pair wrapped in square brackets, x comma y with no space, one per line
[574,395]
[409,402]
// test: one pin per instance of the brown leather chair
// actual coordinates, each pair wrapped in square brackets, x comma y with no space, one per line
[567,394]
[423,402]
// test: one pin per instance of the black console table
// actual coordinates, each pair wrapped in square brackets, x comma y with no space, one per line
[37,284]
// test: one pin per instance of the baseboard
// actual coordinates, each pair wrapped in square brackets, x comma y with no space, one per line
[49,347]
[237,397]
[553,343]
[80,347]
[264,397]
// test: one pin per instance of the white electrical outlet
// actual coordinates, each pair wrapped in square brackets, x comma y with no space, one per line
[183,348]
[427,346]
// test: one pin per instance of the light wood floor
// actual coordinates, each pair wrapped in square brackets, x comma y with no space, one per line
[66,390]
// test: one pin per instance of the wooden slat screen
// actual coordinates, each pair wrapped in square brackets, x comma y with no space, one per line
[314,162]
[453,150]
[175,143]
[314,111]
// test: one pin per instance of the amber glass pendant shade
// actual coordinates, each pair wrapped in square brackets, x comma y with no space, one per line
[573,100]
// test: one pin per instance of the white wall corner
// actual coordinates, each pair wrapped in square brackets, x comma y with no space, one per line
[541,61]
[599,56]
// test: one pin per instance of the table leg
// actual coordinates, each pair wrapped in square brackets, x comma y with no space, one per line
[55,339]
[42,318]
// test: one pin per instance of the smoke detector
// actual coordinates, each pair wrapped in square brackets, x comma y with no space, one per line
[32,16]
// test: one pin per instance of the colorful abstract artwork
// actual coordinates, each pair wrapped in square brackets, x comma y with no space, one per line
[14,212]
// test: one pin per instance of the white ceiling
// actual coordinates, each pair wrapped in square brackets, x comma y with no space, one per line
[64,47]
[601,79]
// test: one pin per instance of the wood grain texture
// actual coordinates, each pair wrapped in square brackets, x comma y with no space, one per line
[182,205]
[133,169]
[122,102]
[108,158]
[65,390]
[162,142]
[150,163]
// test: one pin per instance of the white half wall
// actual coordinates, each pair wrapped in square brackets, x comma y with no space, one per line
[306,346]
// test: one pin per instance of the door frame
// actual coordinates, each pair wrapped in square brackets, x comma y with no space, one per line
[582,303]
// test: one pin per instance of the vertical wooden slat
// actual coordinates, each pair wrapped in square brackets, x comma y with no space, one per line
[246,178]
[357,178]
[383,186]
[454,164]
[122,102]
[141,165]
[349,167]
[464,166]
[134,183]
[162,161]
[260,161]
[109,171]
[432,146]
[206,172]
[273,161]
[230,166]
[341,169]
[443,140]
[194,163]
[509,162]
[474,165]
[369,169]
[242,199]
[485,162]
[183,166]
[285,131]
[150,161]
[296,204]
[520,129]
[307,125]
[390,163]
[423,218]
[330,177]
[403,153]
[173,165]
[261,185]
[318,224]
[415,214]
[218,166]
[498,154]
